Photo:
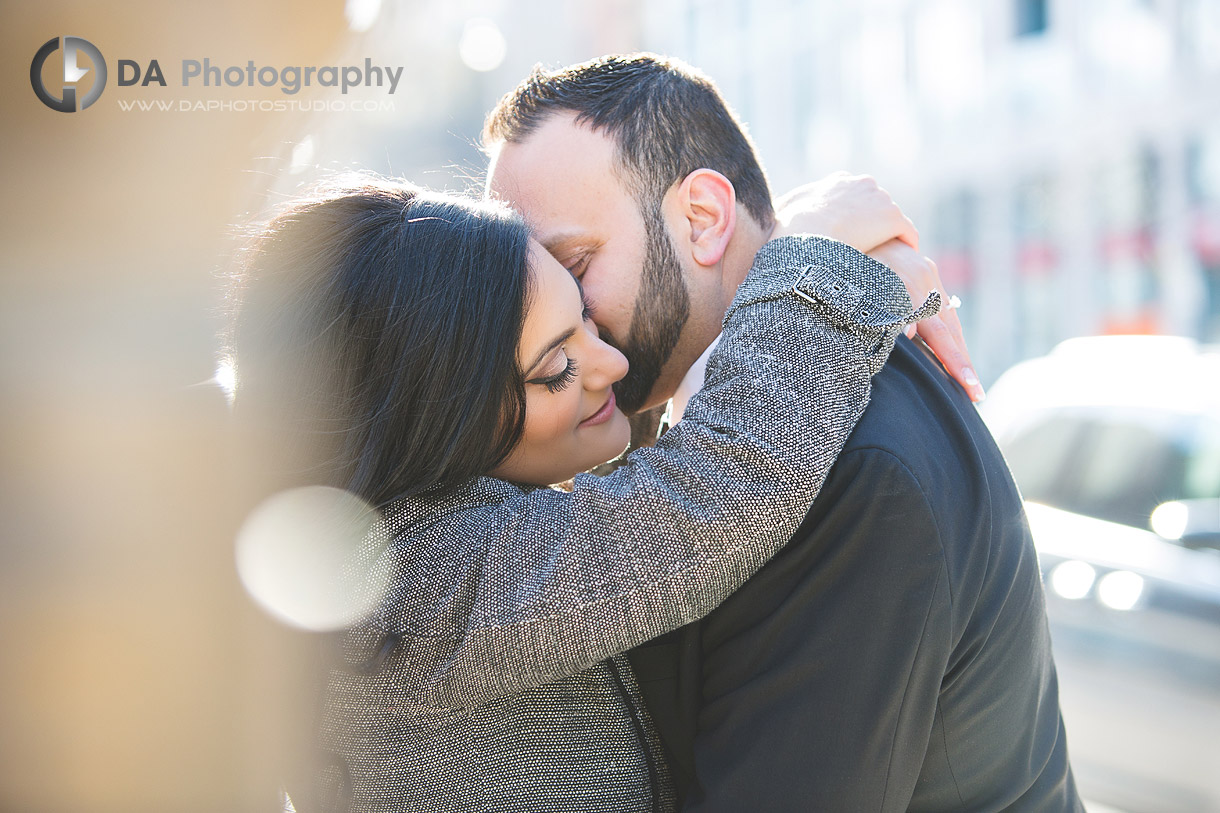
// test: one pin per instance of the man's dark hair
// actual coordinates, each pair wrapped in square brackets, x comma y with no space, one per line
[666,119]
[375,338]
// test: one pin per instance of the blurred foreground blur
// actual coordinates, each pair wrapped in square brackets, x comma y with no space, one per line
[136,673]
[1115,443]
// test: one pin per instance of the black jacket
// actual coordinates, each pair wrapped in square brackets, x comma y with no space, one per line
[895,654]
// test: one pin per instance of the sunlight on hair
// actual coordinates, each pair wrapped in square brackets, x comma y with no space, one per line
[482,47]
[302,555]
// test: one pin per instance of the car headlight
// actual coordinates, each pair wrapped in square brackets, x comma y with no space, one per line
[1120,590]
[1073,579]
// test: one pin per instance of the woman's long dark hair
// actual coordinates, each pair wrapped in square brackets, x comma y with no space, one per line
[376,329]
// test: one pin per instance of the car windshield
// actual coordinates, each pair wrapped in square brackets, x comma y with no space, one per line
[1113,464]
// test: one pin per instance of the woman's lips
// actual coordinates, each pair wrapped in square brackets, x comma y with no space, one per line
[602,415]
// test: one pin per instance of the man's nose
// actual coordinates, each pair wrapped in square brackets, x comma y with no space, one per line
[605,335]
[609,365]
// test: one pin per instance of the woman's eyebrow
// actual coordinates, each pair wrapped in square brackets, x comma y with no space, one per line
[563,337]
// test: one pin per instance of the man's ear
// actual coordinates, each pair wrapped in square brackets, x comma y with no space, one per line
[708,202]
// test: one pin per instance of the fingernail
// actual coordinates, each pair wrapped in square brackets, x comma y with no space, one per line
[910,331]
[976,388]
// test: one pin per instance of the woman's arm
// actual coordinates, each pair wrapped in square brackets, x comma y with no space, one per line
[508,590]
[857,211]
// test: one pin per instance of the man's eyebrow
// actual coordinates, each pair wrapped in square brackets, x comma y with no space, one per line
[563,337]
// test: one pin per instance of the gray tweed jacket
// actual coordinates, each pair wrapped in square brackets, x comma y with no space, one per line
[490,678]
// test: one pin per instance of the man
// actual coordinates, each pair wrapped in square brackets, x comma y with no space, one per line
[895,655]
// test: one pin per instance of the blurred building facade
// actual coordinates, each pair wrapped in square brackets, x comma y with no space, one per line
[1061,157]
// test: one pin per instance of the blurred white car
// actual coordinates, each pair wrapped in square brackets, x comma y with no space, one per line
[1112,427]
[1115,444]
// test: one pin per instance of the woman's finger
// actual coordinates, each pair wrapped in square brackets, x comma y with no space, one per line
[943,335]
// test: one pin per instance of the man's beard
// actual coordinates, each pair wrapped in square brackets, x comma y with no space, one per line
[661,310]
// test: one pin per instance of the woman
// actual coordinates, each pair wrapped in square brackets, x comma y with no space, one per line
[463,374]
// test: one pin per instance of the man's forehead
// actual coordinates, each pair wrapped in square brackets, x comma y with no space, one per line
[552,220]
[558,148]
[559,180]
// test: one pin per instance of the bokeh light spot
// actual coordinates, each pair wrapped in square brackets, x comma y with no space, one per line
[482,46]
[304,556]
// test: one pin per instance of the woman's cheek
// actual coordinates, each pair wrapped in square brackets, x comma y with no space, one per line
[564,411]
[547,415]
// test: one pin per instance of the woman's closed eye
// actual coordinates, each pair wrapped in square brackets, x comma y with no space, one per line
[561,380]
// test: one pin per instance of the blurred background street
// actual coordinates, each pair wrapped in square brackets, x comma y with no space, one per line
[1060,157]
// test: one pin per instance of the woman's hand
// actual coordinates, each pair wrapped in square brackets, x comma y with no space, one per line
[942,332]
[852,209]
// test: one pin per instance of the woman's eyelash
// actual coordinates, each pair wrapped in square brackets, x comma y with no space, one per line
[586,306]
[557,383]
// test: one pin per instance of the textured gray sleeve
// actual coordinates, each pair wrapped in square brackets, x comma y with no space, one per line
[528,587]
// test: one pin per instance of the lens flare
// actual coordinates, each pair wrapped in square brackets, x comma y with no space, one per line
[361,14]
[226,378]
